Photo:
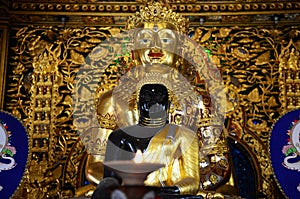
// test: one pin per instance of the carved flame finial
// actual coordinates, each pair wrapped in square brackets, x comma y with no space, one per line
[157,12]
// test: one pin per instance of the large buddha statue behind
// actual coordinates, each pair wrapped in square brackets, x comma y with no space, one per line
[158,53]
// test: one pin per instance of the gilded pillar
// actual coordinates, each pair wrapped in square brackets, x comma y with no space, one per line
[4,35]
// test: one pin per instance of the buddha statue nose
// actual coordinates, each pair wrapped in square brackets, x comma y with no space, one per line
[155,50]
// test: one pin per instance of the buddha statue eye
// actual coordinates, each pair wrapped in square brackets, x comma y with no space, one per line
[166,40]
[144,41]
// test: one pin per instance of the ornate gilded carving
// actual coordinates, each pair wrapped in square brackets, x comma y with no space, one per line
[289,73]
[3,59]
[258,64]
[156,13]
[183,6]
[249,60]
[199,12]
[47,61]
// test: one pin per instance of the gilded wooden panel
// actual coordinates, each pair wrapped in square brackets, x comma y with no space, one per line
[4,34]
[44,62]
[255,45]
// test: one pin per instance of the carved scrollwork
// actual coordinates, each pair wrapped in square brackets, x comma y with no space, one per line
[251,59]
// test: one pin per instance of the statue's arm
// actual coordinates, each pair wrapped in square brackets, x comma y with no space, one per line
[214,154]
[189,184]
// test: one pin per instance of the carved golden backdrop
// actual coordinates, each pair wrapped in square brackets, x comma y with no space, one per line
[44,60]
[249,59]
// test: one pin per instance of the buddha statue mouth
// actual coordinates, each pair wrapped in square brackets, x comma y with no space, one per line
[155,55]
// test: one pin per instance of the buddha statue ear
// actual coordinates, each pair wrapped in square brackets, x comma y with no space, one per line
[134,58]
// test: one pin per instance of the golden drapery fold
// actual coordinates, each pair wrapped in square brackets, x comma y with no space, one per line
[177,148]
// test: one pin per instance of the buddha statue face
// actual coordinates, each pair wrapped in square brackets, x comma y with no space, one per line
[156,44]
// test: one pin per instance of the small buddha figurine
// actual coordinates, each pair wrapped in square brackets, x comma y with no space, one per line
[161,142]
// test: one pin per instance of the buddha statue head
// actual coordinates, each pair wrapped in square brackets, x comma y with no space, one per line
[156,32]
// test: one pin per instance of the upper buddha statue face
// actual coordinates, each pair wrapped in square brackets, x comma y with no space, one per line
[156,44]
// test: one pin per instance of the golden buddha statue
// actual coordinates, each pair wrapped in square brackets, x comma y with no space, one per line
[157,45]
[144,54]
